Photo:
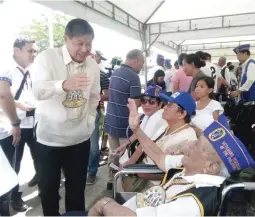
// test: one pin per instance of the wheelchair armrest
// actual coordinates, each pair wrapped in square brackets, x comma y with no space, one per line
[135,169]
[247,186]
[140,168]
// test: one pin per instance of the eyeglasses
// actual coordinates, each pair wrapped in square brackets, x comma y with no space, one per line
[150,101]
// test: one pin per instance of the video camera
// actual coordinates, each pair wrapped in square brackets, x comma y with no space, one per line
[116,61]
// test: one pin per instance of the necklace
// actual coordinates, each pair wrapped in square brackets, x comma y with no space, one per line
[161,143]
[174,130]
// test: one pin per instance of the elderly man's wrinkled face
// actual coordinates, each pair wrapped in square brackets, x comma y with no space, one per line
[173,112]
[222,61]
[201,158]
[79,47]
[139,64]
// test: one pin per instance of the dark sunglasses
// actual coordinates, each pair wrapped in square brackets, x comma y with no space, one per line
[150,101]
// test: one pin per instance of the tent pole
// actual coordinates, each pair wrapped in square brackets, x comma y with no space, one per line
[179,50]
[145,48]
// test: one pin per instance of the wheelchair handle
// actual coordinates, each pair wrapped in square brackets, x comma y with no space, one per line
[227,189]
[250,186]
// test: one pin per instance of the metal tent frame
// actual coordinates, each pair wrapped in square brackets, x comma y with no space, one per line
[171,36]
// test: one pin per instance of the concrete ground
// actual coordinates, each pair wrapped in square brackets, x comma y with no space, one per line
[30,195]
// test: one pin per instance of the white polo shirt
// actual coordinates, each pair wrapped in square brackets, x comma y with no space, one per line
[5,124]
[17,74]
[58,125]
[15,77]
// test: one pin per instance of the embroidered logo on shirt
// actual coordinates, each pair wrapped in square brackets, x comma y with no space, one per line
[74,99]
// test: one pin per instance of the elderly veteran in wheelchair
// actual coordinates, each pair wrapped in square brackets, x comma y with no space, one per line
[196,191]
[177,114]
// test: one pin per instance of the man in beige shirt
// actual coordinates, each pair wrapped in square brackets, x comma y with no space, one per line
[67,84]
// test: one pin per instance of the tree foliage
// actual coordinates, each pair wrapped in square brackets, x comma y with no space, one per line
[39,30]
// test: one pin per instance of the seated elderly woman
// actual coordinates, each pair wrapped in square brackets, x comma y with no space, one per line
[154,126]
[177,113]
[152,123]
[195,191]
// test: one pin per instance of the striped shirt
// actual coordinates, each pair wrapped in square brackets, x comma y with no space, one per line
[125,83]
[104,83]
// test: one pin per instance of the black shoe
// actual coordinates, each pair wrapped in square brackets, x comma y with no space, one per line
[109,186]
[91,179]
[19,205]
[33,182]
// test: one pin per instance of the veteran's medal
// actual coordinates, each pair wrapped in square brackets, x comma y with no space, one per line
[74,99]
[154,196]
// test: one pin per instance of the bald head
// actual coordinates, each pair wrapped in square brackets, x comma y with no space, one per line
[135,59]
[222,61]
[134,54]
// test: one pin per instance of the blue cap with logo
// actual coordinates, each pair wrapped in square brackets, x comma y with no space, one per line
[167,62]
[230,149]
[160,57]
[243,47]
[152,91]
[181,98]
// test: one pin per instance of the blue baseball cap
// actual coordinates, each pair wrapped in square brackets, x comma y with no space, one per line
[181,98]
[152,91]
[160,57]
[243,47]
[229,148]
[167,62]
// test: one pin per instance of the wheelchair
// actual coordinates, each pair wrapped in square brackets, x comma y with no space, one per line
[233,187]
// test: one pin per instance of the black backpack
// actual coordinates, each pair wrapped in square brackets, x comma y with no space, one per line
[132,148]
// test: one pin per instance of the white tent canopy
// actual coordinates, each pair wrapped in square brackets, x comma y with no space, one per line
[176,26]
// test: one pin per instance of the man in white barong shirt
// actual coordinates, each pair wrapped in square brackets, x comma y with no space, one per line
[67,85]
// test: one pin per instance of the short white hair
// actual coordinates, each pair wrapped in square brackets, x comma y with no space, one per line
[224,171]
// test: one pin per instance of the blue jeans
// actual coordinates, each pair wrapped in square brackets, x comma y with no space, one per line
[94,156]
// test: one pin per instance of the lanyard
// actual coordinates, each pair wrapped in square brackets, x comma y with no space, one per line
[25,76]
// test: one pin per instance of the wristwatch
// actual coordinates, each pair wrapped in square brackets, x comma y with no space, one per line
[16,123]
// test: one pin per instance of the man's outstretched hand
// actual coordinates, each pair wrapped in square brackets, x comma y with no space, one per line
[134,118]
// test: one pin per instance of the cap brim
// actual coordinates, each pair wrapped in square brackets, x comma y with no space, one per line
[103,58]
[164,96]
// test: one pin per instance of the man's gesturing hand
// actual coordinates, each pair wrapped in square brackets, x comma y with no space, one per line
[77,82]
[134,119]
